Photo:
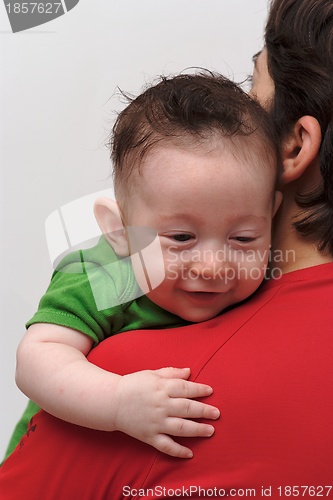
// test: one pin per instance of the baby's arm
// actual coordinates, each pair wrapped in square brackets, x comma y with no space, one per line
[150,405]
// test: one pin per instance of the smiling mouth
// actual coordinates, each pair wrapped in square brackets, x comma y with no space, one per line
[203,296]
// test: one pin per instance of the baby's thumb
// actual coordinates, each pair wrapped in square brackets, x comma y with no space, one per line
[171,372]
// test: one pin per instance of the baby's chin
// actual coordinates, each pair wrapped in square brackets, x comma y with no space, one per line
[198,316]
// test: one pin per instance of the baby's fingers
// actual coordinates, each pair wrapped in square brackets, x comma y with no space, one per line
[167,445]
[188,428]
[187,408]
[185,389]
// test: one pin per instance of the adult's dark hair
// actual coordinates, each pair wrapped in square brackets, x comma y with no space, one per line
[299,41]
[192,108]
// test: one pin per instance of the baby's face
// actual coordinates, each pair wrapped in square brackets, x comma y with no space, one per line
[213,215]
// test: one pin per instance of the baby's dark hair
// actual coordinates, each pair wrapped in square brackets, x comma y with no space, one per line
[188,107]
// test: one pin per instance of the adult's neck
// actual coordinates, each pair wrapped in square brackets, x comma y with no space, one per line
[290,251]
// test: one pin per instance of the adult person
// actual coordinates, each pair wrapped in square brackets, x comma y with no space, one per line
[268,360]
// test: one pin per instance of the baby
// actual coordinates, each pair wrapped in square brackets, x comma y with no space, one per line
[195,175]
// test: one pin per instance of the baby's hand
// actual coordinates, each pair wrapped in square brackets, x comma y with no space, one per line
[154,404]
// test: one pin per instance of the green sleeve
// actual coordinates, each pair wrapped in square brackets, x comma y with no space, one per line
[86,293]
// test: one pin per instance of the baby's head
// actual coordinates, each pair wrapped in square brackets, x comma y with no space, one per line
[194,159]
[188,111]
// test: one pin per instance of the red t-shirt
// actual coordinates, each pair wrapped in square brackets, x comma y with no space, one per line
[270,362]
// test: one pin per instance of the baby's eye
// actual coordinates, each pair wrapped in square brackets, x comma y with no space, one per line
[182,237]
[243,239]
[178,237]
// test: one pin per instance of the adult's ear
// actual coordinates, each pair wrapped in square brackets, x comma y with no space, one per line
[108,217]
[300,148]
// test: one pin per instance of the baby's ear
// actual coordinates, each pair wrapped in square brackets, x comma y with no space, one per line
[109,220]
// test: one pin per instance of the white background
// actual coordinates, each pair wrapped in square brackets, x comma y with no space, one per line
[58,84]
